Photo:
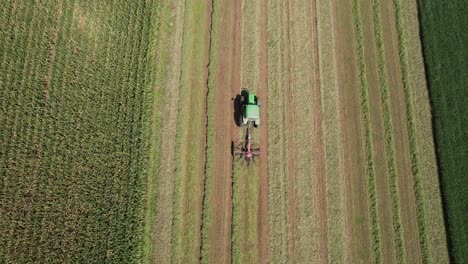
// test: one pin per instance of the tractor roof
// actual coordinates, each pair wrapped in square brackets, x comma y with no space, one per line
[251,98]
[252,111]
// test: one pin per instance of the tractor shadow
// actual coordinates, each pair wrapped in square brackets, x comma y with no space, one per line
[237,104]
[232,148]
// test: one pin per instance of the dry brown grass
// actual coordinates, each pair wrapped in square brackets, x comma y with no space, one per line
[354,156]
[304,131]
[277,152]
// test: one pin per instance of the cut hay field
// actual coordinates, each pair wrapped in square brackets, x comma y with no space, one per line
[117,123]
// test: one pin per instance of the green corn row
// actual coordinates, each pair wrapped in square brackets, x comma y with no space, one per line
[74,82]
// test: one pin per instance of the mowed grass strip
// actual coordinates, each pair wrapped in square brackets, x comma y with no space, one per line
[166,57]
[245,207]
[246,231]
[223,85]
[210,138]
[355,170]
[369,149]
[191,134]
[304,135]
[389,134]
[422,138]
[382,181]
[413,225]
[277,150]
[414,149]
[332,131]
[73,176]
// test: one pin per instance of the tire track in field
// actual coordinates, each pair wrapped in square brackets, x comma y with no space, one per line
[247,205]
[224,83]
[235,89]
[235,86]
[319,145]
[358,240]
[337,44]
[191,134]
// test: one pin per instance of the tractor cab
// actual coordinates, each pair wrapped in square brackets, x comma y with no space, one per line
[250,109]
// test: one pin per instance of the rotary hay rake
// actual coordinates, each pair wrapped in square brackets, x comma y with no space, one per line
[246,150]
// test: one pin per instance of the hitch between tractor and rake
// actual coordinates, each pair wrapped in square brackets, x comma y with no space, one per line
[246,150]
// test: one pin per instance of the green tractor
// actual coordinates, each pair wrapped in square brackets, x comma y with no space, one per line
[250,110]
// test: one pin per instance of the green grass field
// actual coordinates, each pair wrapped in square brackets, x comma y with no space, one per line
[444,44]
[74,84]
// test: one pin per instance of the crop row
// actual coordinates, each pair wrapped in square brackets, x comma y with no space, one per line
[421,213]
[74,144]
[390,149]
[373,195]
[14,116]
[369,149]
[412,137]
